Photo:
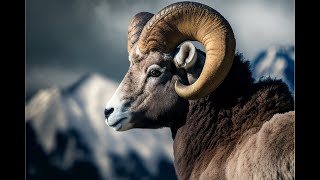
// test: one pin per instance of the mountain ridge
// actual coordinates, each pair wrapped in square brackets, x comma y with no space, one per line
[275,62]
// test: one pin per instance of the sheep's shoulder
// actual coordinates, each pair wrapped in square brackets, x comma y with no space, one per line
[267,153]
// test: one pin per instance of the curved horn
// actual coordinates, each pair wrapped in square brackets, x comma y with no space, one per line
[193,21]
[135,27]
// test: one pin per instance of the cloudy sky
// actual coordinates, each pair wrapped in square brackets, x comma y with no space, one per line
[69,38]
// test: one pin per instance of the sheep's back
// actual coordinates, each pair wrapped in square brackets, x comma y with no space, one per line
[267,153]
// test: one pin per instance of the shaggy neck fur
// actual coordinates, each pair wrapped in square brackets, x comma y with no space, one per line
[216,123]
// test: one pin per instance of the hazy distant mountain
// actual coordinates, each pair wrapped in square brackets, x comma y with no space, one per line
[276,62]
[67,138]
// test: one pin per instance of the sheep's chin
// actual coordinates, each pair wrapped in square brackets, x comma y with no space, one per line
[123,124]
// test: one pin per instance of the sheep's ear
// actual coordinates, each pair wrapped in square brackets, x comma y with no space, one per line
[186,57]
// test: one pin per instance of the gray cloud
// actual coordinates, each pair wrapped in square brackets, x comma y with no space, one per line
[66,39]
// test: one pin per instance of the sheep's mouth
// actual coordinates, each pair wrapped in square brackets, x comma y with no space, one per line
[117,125]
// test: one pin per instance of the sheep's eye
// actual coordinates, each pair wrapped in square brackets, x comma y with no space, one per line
[154,73]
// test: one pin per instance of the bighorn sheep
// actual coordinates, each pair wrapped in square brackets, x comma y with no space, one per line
[224,125]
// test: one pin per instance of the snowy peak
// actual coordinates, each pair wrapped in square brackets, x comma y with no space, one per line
[275,62]
[89,82]
[46,104]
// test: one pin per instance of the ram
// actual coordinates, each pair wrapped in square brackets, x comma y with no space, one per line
[224,125]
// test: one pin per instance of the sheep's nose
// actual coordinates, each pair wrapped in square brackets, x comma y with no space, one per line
[108,111]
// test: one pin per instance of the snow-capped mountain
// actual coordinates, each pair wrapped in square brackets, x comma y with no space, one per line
[68,138]
[276,62]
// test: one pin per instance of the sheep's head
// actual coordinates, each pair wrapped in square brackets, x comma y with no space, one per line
[162,78]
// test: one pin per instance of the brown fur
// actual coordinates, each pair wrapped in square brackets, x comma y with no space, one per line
[233,133]
[230,134]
